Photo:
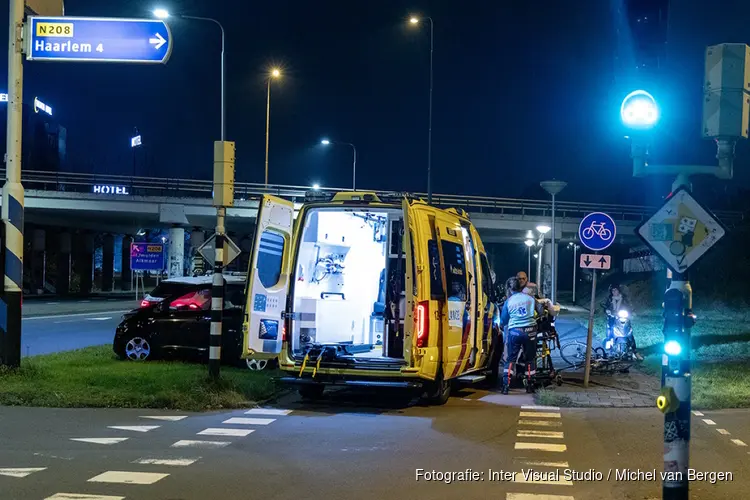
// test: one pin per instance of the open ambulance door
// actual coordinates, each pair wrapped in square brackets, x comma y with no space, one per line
[268,278]
[411,284]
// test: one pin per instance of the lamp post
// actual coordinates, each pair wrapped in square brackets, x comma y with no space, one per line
[415,21]
[553,188]
[529,244]
[543,230]
[275,73]
[575,268]
[326,142]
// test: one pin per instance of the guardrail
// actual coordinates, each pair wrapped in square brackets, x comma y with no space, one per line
[154,186]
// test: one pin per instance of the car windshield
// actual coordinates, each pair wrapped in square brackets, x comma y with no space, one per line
[164,290]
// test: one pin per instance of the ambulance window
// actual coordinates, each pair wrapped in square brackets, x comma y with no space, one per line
[436,280]
[486,277]
[455,270]
[270,252]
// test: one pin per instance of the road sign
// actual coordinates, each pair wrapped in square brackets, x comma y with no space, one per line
[94,39]
[597,231]
[146,256]
[681,231]
[590,261]
[208,249]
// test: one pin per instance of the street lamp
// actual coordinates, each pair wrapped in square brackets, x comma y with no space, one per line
[414,20]
[575,267]
[529,244]
[326,142]
[164,14]
[316,186]
[274,73]
[639,110]
[542,229]
[553,188]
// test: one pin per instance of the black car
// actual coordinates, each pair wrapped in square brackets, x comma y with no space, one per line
[174,320]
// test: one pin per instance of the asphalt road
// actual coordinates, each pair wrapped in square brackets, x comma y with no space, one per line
[352,445]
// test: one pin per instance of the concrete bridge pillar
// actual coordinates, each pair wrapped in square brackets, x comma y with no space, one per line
[108,262]
[197,238]
[126,275]
[546,285]
[85,262]
[38,260]
[176,255]
[62,286]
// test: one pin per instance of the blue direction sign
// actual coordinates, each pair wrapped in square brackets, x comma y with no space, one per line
[146,256]
[597,231]
[93,39]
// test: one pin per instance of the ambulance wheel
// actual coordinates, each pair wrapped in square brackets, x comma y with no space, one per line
[312,391]
[439,391]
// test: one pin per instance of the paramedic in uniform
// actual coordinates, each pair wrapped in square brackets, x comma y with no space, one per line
[519,316]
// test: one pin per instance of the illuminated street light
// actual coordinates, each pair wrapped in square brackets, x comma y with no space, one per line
[161,13]
[325,142]
[316,186]
[543,229]
[639,110]
[274,73]
[414,20]
[529,243]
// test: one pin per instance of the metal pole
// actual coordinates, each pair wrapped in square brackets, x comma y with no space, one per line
[354,169]
[590,334]
[575,269]
[529,268]
[539,264]
[217,298]
[13,197]
[429,132]
[223,86]
[554,254]
[268,121]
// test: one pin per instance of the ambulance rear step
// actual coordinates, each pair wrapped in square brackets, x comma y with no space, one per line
[358,383]
[472,379]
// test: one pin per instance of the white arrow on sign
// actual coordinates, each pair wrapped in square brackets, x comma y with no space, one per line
[158,41]
[590,261]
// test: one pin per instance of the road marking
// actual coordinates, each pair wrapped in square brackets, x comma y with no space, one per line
[81,496]
[249,421]
[518,478]
[539,415]
[522,433]
[535,496]
[268,411]
[127,477]
[739,442]
[697,413]
[84,301]
[723,432]
[104,318]
[20,472]
[214,431]
[100,440]
[708,421]
[548,408]
[541,423]
[168,418]
[52,303]
[541,463]
[77,315]
[174,462]
[134,428]
[187,443]
[541,446]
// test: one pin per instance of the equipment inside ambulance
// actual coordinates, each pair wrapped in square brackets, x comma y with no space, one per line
[354,294]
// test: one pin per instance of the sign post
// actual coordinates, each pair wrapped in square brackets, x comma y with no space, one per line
[597,232]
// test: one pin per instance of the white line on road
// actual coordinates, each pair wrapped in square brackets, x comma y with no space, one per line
[82,496]
[167,418]
[134,428]
[541,463]
[127,477]
[523,433]
[20,472]
[541,446]
[536,496]
[104,318]
[739,442]
[174,462]
[187,443]
[708,421]
[52,303]
[539,414]
[76,315]
[215,431]
[541,423]
[723,432]
[100,440]
[249,421]
[84,301]
[533,407]
[268,411]
[697,413]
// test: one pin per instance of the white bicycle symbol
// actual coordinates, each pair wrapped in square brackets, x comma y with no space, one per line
[598,229]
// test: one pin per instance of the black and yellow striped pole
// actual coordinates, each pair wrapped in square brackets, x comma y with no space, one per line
[12,210]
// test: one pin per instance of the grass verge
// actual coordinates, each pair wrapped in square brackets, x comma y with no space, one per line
[94,377]
[546,397]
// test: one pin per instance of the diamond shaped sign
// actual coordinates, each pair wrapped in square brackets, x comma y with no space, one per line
[208,250]
[681,231]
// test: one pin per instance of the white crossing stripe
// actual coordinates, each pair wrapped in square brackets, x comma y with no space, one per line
[175,462]
[536,496]
[100,440]
[541,423]
[518,478]
[187,443]
[541,463]
[523,433]
[249,421]
[539,415]
[127,477]
[20,472]
[82,496]
[134,428]
[541,446]
[167,418]
[723,432]
[739,442]
[215,431]
[547,408]
[697,413]
[268,411]
[708,421]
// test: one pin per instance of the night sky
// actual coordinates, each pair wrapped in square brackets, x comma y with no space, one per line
[523,91]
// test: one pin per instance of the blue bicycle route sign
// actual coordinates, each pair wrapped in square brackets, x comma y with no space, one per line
[94,39]
[597,231]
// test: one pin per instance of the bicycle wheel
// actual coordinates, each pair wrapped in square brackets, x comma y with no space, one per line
[574,353]
[605,233]
[588,233]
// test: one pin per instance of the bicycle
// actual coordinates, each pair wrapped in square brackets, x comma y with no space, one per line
[597,229]
[574,353]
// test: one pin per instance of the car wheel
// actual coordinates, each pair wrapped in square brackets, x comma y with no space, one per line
[256,365]
[137,349]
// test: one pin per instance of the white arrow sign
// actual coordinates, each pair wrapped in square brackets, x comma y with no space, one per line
[591,261]
[157,41]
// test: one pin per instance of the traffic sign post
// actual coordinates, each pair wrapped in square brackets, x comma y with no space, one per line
[93,39]
[596,232]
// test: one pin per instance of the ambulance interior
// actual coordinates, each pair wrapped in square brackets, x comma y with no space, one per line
[345,282]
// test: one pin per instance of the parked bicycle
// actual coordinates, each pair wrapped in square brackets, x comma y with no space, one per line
[574,353]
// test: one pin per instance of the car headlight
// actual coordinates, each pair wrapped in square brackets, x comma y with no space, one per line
[623,314]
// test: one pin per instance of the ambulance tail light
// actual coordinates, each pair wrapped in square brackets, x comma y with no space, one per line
[283,331]
[423,323]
